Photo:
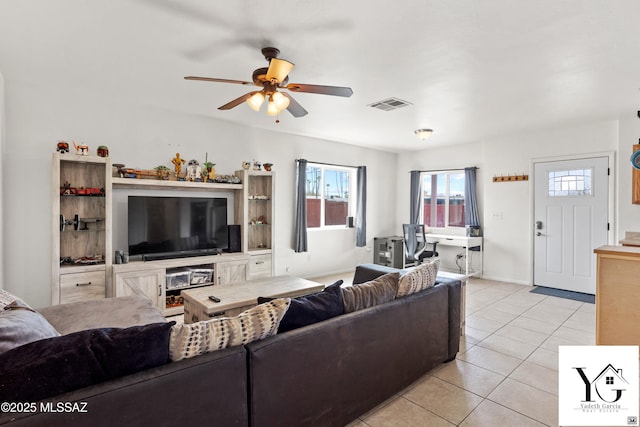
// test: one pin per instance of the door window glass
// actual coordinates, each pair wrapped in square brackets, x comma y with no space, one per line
[575,182]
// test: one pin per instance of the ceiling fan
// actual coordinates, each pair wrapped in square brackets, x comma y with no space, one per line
[270,79]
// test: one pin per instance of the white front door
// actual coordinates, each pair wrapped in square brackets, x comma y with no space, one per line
[571,220]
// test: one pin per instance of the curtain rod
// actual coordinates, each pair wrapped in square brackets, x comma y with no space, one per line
[329,164]
[446,170]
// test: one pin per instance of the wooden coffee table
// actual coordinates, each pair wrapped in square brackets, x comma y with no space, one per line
[237,297]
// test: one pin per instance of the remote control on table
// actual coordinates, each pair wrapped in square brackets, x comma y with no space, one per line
[214,299]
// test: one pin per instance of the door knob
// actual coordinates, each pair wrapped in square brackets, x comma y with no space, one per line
[539,234]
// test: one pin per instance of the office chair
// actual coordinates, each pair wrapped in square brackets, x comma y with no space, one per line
[415,245]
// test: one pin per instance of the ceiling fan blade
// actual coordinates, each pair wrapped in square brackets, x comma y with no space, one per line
[279,69]
[212,79]
[294,108]
[237,101]
[324,90]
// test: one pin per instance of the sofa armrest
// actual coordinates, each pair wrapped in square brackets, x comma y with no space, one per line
[121,312]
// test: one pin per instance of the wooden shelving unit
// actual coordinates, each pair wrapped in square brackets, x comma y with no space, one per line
[81,227]
[255,212]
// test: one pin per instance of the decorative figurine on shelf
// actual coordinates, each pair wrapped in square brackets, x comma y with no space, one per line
[246,165]
[257,166]
[81,149]
[208,172]
[267,166]
[208,169]
[163,172]
[193,170]
[62,147]
[103,151]
[178,162]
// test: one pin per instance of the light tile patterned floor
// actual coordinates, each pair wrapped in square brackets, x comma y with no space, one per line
[506,370]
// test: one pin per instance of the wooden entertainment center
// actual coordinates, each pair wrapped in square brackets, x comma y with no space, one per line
[82,236]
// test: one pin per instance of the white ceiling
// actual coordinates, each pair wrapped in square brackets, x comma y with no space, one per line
[471,69]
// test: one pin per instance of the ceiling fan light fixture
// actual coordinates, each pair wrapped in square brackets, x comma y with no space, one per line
[255,101]
[280,100]
[423,134]
[272,108]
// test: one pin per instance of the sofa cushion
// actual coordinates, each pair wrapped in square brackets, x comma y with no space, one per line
[20,324]
[312,308]
[57,365]
[368,294]
[417,278]
[121,312]
[192,339]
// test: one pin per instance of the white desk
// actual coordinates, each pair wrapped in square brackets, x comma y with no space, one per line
[460,241]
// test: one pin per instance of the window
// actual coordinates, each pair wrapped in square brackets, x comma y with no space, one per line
[443,199]
[570,183]
[609,380]
[330,195]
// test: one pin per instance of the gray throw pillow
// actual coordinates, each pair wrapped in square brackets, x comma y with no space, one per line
[20,324]
[418,278]
[368,294]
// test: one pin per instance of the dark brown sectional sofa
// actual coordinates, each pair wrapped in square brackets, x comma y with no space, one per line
[325,374]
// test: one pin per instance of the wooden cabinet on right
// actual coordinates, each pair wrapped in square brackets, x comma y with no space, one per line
[256,215]
[618,295]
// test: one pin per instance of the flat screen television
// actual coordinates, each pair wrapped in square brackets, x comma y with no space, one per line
[174,227]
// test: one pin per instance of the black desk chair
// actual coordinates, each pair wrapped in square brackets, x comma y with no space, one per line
[415,245]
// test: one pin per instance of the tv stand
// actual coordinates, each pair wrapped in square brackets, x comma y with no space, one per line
[149,277]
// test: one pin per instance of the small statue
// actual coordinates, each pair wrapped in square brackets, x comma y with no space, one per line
[62,147]
[208,169]
[257,166]
[267,166]
[81,149]
[178,162]
[208,172]
[103,151]
[193,170]
[246,165]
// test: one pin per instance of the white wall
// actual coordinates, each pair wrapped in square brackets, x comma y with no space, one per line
[2,189]
[143,137]
[506,208]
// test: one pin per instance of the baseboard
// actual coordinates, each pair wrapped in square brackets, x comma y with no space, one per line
[506,280]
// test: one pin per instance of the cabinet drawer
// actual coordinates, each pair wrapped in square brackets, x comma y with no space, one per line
[259,266]
[82,286]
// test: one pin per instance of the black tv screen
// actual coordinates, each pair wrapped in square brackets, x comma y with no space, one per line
[165,227]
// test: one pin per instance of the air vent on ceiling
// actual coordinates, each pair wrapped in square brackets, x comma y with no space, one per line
[389,104]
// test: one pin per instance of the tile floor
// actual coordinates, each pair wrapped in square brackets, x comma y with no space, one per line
[506,370]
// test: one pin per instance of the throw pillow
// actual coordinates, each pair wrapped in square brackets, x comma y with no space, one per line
[417,278]
[368,294]
[312,308]
[57,365]
[20,324]
[6,298]
[192,339]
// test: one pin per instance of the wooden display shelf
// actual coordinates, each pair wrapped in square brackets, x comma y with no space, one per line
[157,184]
[635,181]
